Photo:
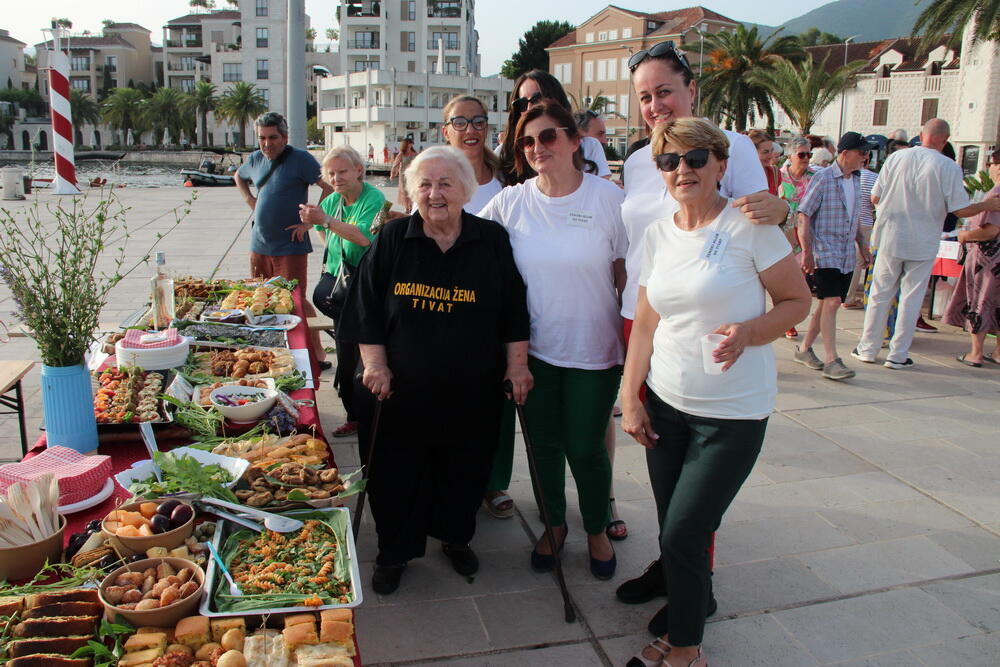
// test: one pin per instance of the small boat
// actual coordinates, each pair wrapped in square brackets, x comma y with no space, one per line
[215,168]
[98,155]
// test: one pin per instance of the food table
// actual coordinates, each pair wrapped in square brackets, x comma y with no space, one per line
[125,449]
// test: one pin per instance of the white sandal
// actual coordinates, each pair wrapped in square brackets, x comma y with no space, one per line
[492,505]
[658,645]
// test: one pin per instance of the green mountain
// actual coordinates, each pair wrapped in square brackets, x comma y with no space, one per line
[871,19]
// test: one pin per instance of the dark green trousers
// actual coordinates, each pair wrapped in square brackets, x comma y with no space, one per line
[696,469]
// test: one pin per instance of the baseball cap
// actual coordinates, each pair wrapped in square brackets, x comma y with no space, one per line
[854,141]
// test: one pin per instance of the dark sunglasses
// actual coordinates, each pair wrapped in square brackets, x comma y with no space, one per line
[803,156]
[658,51]
[521,104]
[696,159]
[461,122]
[546,137]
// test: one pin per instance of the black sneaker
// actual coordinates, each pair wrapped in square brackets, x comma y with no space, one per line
[386,578]
[650,584]
[898,365]
[462,558]
[661,619]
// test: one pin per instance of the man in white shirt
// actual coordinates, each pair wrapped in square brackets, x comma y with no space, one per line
[913,193]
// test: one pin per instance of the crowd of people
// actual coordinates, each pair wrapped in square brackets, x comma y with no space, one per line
[523,274]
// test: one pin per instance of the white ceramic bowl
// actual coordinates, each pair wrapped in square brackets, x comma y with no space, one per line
[250,412]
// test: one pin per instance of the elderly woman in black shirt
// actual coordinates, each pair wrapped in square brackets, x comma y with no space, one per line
[440,313]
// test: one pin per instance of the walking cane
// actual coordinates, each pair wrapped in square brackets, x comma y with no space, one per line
[366,470]
[508,387]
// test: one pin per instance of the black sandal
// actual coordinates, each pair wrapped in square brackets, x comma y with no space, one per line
[614,524]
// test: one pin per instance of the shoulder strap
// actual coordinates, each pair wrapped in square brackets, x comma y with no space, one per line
[274,165]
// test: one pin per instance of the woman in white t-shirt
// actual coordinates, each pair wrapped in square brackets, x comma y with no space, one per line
[569,245]
[705,270]
[466,126]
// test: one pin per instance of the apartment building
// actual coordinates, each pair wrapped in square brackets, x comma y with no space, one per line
[12,73]
[120,57]
[373,35]
[399,70]
[592,60]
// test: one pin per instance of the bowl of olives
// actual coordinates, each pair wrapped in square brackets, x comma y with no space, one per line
[139,526]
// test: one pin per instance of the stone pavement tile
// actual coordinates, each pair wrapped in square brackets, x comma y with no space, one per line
[836,416]
[792,498]
[794,467]
[977,499]
[769,538]
[976,651]
[789,437]
[890,659]
[750,587]
[605,614]
[526,618]
[877,486]
[976,599]
[388,633]
[872,522]
[919,429]
[872,624]
[877,564]
[891,454]
[982,402]
[580,654]
[976,546]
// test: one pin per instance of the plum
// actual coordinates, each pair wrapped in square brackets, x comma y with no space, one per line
[167,507]
[159,524]
[181,515]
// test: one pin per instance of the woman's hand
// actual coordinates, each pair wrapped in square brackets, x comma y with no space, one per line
[763,208]
[312,214]
[521,380]
[963,236]
[738,336]
[635,422]
[378,379]
[299,231]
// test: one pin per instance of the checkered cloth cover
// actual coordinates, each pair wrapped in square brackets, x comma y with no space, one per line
[132,337]
[80,477]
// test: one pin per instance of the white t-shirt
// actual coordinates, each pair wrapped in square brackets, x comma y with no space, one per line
[647,199]
[564,247]
[694,297]
[484,193]
[916,188]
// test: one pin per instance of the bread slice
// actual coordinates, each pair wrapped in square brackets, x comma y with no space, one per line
[295,619]
[147,629]
[48,660]
[345,615]
[148,640]
[71,595]
[56,626]
[11,604]
[192,631]
[73,608]
[302,633]
[139,657]
[337,632]
[49,645]
[221,625]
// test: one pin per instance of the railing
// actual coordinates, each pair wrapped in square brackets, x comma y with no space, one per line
[448,45]
[883,86]
[932,84]
[181,67]
[444,12]
[362,44]
[183,44]
[221,48]
[353,10]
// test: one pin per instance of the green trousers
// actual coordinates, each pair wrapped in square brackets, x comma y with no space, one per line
[503,461]
[567,414]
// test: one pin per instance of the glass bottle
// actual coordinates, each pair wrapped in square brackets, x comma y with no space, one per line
[162,293]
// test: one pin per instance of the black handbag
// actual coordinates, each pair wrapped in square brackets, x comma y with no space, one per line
[330,292]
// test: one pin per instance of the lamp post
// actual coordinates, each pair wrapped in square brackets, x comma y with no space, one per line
[628,116]
[843,93]
[701,61]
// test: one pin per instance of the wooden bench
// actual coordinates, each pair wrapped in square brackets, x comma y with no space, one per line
[11,374]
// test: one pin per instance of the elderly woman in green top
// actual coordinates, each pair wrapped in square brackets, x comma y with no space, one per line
[345,219]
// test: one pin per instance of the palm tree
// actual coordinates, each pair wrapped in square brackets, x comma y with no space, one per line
[943,16]
[803,89]
[240,104]
[122,110]
[200,101]
[730,58]
[84,110]
[164,111]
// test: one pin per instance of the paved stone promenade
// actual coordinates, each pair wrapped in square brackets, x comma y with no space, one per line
[869,533]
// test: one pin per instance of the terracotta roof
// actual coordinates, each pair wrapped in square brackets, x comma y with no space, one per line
[89,42]
[198,18]
[671,22]
[872,51]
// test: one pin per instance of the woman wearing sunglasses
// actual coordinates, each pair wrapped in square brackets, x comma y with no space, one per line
[664,84]
[796,174]
[532,89]
[466,127]
[705,270]
[569,244]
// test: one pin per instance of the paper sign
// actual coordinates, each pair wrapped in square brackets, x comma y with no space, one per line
[948,249]
[715,246]
[580,219]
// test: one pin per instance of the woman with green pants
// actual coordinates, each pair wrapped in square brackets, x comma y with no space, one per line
[569,244]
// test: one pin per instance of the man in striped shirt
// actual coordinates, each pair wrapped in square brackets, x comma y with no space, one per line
[866,219]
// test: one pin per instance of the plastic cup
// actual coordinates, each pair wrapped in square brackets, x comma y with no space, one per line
[708,344]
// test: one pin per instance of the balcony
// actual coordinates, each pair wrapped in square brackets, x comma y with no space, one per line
[432,44]
[364,8]
[932,84]
[444,9]
[181,67]
[194,43]
[225,48]
[363,44]
[883,86]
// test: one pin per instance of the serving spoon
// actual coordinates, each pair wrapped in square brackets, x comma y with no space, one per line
[275,522]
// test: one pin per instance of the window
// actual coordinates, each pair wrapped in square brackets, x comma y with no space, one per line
[590,37]
[261,7]
[232,72]
[564,72]
[602,36]
[451,68]
[588,71]
[79,63]
[365,39]
[187,85]
[626,33]
[188,63]
[80,83]
[880,116]
[624,70]
[612,34]
[602,70]
[111,64]
[263,69]
[623,105]
[929,109]
[612,69]
[450,40]
[262,38]
[408,41]
[363,65]
[408,10]
[266,94]
[411,65]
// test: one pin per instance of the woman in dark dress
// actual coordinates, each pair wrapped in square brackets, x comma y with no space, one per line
[439,310]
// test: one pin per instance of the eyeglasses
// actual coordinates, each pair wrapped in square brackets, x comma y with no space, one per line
[521,104]
[461,122]
[656,51]
[803,156]
[696,159]
[546,137]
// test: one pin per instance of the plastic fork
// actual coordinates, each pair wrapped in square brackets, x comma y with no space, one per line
[233,588]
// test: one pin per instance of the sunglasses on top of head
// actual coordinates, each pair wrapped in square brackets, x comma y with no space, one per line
[546,137]
[521,104]
[657,51]
[696,159]
[461,122]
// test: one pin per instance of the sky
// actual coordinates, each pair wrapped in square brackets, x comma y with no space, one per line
[500,22]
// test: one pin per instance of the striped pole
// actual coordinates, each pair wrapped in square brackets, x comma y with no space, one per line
[62,124]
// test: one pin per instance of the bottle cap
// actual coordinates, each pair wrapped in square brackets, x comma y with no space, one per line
[161,258]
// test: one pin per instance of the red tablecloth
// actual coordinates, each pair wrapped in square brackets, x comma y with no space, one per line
[948,268]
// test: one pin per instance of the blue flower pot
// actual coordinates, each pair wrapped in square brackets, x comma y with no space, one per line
[68,402]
